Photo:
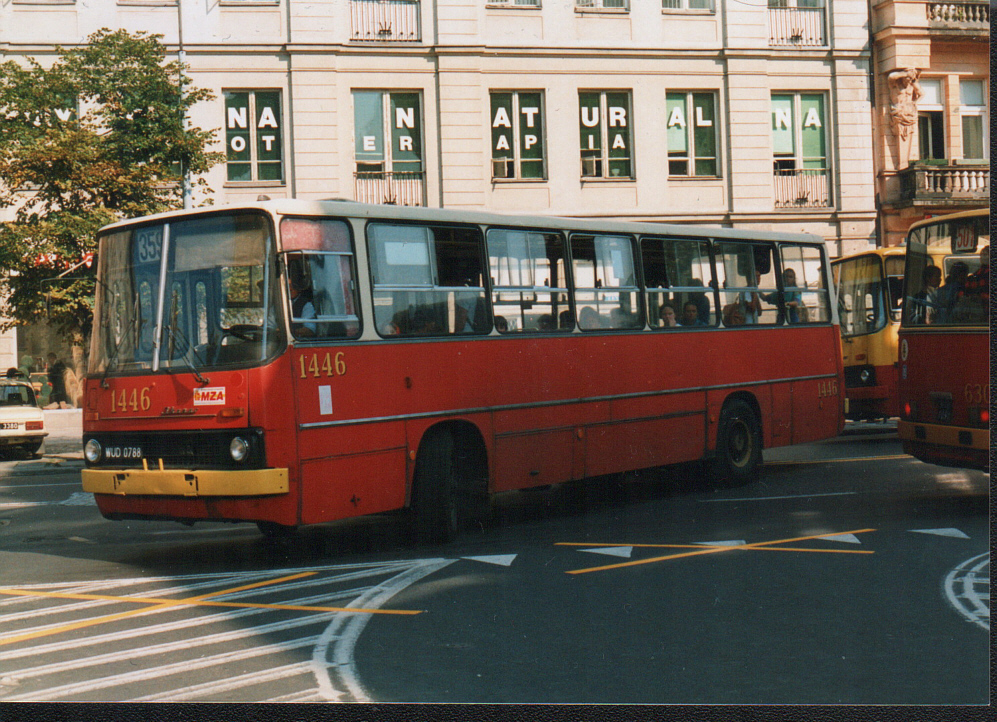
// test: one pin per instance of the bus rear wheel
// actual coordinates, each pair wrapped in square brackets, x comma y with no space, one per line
[738,455]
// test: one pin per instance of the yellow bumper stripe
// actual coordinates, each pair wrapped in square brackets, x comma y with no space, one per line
[943,435]
[181,482]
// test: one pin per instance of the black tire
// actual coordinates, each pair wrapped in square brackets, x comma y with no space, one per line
[436,513]
[273,530]
[738,455]
[32,448]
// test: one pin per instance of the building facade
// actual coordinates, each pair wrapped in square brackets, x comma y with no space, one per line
[932,83]
[707,111]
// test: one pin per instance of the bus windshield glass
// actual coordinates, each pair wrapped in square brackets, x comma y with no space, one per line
[862,296]
[185,296]
[947,278]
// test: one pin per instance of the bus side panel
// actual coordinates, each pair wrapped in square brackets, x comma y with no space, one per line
[354,485]
[530,458]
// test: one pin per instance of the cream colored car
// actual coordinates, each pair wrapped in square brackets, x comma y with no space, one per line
[22,423]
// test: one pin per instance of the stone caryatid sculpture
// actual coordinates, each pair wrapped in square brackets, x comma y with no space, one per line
[904,94]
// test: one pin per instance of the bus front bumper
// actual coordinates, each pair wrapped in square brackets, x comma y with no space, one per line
[182,482]
[939,435]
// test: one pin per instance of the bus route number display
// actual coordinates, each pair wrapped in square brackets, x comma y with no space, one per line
[149,245]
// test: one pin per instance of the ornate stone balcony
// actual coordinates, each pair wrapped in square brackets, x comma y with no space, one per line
[385,20]
[965,183]
[958,15]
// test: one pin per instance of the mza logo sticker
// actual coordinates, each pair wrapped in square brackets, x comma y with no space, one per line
[213,396]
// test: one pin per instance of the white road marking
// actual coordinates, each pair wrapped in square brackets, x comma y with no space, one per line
[502,560]
[80,498]
[791,496]
[967,588]
[103,655]
[733,543]
[954,533]
[847,538]
[624,552]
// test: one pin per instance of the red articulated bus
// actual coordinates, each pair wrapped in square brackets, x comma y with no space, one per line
[295,362]
[945,342]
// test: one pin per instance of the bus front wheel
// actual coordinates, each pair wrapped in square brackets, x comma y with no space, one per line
[738,455]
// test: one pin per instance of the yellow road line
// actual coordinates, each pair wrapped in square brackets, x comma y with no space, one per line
[156,604]
[707,550]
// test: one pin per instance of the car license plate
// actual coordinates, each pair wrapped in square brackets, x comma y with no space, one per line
[123,452]
[10,425]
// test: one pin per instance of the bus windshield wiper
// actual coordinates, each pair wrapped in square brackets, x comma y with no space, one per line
[176,334]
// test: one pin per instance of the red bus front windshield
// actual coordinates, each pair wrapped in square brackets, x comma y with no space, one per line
[956,292]
[187,295]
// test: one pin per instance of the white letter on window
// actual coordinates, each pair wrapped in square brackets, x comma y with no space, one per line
[237,117]
[530,114]
[369,143]
[702,122]
[618,142]
[677,117]
[501,119]
[405,142]
[782,118]
[813,119]
[617,117]
[529,141]
[238,144]
[590,117]
[267,119]
[404,117]
[268,141]
[503,143]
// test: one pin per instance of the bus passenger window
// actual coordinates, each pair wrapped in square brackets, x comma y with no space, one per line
[606,292]
[319,267]
[805,296]
[529,281]
[677,272]
[428,280]
[747,276]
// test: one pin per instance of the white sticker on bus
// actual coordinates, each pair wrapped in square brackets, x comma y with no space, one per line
[325,400]
[211,396]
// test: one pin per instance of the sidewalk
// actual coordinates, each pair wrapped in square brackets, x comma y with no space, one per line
[65,432]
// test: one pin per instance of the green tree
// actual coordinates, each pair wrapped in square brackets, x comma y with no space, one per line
[99,135]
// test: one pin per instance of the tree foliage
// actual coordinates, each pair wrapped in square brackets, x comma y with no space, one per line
[100,134]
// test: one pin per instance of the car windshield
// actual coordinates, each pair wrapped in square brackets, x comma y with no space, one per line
[16,395]
[186,295]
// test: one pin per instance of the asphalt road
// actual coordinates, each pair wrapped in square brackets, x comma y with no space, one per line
[848,574]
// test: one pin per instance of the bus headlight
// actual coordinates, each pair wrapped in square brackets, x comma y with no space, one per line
[92,451]
[239,448]
[864,375]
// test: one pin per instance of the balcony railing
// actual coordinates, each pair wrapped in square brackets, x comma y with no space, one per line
[400,189]
[385,20]
[802,188]
[959,15]
[796,27]
[950,183]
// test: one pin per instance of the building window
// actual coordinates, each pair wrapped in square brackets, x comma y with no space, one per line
[517,135]
[799,145]
[687,5]
[931,120]
[385,20]
[606,134]
[796,23]
[514,3]
[389,156]
[253,135]
[602,4]
[692,134]
[973,109]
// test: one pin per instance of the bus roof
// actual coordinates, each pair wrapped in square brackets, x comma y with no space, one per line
[949,217]
[334,207]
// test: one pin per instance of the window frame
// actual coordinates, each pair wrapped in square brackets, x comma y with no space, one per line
[691,158]
[252,131]
[685,7]
[604,160]
[967,111]
[565,287]
[634,289]
[518,135]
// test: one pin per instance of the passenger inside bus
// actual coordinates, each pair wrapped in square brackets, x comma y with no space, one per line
[925,301]
[690,315]
[302,307]
[667,317]
[949,293]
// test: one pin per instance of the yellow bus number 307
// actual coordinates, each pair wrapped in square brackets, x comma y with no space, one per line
[329,365]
